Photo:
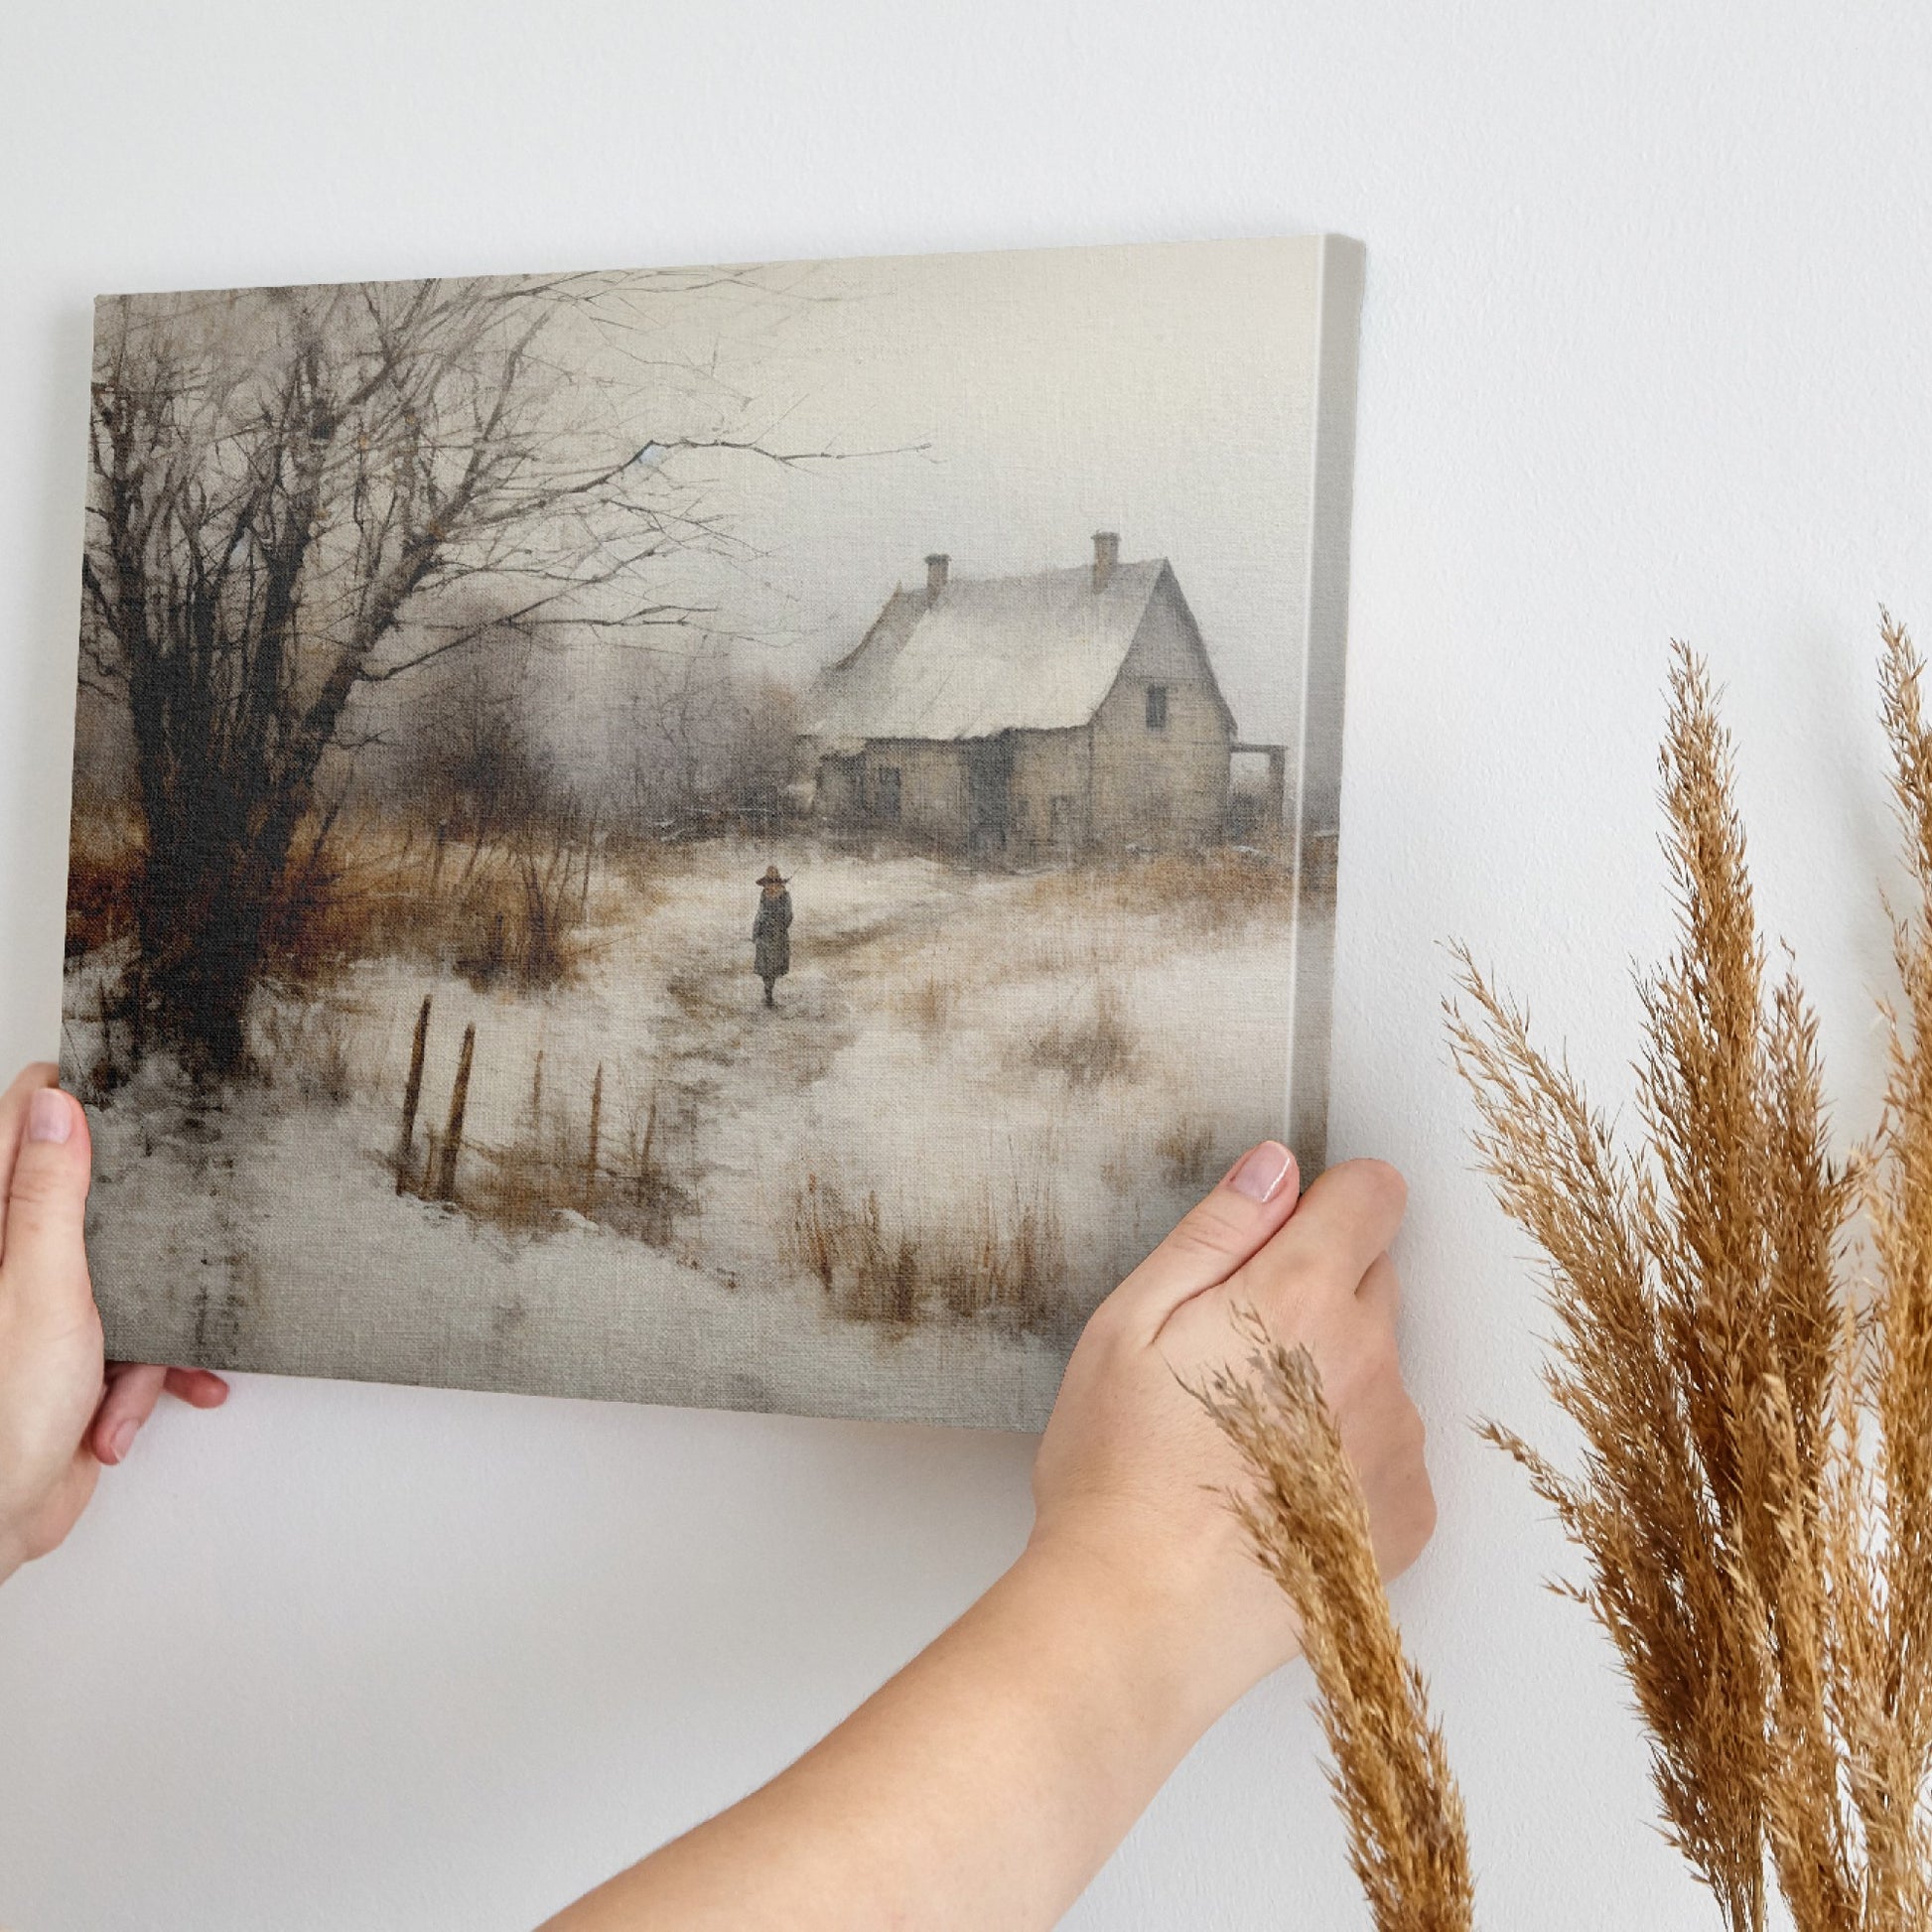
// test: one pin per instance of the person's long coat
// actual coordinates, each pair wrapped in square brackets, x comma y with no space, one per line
[771,929]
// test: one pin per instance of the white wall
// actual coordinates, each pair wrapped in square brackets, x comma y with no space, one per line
[1644,354]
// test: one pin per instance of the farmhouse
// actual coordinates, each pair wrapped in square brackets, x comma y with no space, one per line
[1028,718]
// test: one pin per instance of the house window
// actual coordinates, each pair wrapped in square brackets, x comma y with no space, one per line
[1157,707]
[885,792]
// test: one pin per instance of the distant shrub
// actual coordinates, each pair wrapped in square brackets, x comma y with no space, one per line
[513,913]
[1100,1046]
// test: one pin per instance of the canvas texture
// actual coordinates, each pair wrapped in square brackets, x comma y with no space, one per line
[741,836]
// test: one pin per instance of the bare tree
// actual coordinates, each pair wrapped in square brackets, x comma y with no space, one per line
[473,761]
[693,733]
[765,755]
[286,486]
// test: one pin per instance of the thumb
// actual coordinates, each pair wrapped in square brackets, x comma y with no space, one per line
[1235,1221]
[44,1263]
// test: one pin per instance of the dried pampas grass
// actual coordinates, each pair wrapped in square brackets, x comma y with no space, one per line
[1743,1338]
[1754,1497]
[1307,1519]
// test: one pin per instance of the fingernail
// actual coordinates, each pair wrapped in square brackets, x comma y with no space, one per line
[50,1115]
[122,1438]
[1261,1175]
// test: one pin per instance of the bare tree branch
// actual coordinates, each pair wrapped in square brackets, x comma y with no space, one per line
[288,485]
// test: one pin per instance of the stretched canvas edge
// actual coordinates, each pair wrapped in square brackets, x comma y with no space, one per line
[1318,793]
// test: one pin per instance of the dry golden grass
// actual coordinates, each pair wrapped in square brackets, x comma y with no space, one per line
[1755,1502]
[866,1274]
[577,1155]
[106,864]
[1096,1046]
[1185,1149]
[928,1003]
[1217,889]
[523,1188]
[516,912]
[307,1046]
[1308,1526]
[998,1260]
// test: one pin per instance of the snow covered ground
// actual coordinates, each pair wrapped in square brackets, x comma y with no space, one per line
[954,1055]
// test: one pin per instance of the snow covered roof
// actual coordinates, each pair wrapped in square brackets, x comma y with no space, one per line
[984,655]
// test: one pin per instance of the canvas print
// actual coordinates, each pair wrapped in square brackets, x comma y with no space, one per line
[739,836]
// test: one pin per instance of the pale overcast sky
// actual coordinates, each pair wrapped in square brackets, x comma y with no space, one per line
[999,407]
[1163,391]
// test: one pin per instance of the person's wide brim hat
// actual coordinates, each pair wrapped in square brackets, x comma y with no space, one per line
[773,876]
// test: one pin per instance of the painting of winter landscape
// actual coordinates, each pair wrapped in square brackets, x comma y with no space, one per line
[737,836]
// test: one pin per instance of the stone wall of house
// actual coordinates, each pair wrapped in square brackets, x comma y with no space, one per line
[916,787]
[1048,812]
[1161,763]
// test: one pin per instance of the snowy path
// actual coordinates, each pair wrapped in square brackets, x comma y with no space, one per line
[736,1071]
[740,1074]
[901,1066]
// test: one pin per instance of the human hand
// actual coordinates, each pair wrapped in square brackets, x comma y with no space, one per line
[1130,1472]
[64,1410]
[1041,1721]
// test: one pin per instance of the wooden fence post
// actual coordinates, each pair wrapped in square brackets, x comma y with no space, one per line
[107,1038]
[138,1014]
[412,1093]
[643,1153]
[459,1100]
[590,1163]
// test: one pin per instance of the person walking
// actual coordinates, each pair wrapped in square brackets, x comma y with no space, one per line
[772,930]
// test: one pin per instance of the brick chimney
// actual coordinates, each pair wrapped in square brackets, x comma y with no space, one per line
[935,574]
[1106,554]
